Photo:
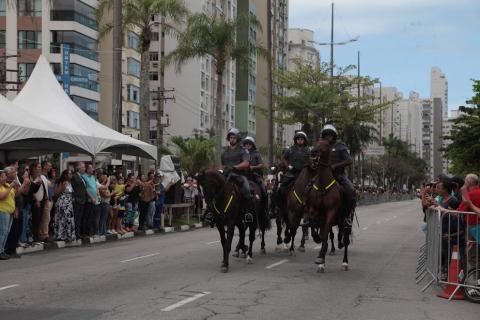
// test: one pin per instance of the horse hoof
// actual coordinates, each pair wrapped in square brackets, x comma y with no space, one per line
[235,254]
[263,251]
[249,260]
[292,253]
[332,253]
[321,268]
[320,261]
[344,266]
[243,255]
[224,269]
[301,249]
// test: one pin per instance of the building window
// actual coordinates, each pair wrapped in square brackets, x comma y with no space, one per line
[88,106]
[153,135]
[154,36]
[87,78]
[133,93]
[72,10]
[79,44]
[29,39]
[133,119]
[30,8]
[154,76]
[153,56]
[133,41]
[133,67]
[3,8]
[25,70]
[2,39]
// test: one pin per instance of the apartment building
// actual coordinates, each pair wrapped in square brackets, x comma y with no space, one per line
[35,27]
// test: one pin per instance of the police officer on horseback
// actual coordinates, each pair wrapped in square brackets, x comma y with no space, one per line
[294,158]
[236,163]
[256,165]
[339,160]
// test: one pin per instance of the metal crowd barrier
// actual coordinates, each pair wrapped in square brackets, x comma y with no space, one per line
[365,199]
[450,256]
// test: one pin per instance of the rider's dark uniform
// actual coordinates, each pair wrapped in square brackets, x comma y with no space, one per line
[232,157]
[297,157]
[257,174]
[339,153]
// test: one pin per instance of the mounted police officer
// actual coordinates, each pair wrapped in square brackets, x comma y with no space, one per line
[256,165]
[294,158]
[339,160]
[236,162]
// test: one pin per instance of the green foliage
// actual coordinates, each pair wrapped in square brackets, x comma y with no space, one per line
[398,166]
[464,151]
[277,152]
[315,99]
[196,153]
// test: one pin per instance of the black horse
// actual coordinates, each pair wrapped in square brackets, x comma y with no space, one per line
[224,200]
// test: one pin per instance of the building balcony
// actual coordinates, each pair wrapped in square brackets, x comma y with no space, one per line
[70,15]
[76,49]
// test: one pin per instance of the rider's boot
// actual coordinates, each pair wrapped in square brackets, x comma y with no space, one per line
[209,218]
[250,209]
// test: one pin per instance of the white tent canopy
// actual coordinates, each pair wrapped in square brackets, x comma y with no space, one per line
[22,133]
[44,97]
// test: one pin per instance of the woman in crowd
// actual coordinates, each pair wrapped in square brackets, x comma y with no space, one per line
[120,203]
[27,206]
[64,224]
[37,199]
[112,212]
[105,196]
[132,191]
[190,192]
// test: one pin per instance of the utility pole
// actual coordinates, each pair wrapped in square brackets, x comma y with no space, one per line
[161,102]
[117,66]
[381,114]
[358,77]
[331,44]
[270,83]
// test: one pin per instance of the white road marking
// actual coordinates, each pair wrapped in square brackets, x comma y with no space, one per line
[213,242]
[317,247]
[185,301]
[8,287]
[378,222]
[394,217]
[276,264]
[142,257]
[387,219]
[364,228]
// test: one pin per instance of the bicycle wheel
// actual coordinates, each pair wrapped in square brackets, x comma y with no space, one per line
[473,279]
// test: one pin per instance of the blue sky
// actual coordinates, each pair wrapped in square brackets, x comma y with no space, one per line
[400,40]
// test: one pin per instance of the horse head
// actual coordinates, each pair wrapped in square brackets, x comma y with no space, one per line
[320,155]
[212,183]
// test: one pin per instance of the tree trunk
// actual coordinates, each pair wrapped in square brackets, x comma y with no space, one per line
[218,115]
[145,104]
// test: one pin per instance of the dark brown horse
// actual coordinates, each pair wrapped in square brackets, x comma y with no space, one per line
[325,205]
[224,200]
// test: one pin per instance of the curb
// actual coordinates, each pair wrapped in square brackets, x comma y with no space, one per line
[55,245]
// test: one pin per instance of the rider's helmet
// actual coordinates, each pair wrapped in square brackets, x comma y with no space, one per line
[235,132]
[299,134]
[250,140]
[329,129]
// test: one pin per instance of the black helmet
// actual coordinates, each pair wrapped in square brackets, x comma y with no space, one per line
[250,140]
[300,134]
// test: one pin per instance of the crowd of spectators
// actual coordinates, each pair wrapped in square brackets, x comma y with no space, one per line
[452,195]
[37,206]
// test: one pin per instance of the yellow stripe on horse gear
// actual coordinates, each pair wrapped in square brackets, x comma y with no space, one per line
[215,207]
[331,184]
[296,196]
[228,204]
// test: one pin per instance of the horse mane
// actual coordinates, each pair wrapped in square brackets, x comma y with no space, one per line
[216,176]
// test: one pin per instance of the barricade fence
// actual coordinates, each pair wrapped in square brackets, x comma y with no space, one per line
[450,256]
[365,199]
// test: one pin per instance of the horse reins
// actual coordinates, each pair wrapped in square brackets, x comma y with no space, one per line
[331,184]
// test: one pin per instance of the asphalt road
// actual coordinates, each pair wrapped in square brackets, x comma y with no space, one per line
[176,276]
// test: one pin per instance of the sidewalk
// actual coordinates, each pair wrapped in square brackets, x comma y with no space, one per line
[54,245]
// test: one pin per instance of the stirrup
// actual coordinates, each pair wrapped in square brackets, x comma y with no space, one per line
[209,219]
[248,218]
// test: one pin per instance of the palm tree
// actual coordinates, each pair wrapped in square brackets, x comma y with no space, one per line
[137,17]
[196,153]
[214,36]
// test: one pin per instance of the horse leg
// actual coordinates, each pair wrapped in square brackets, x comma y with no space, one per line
[332,237]
[223,240]
[329,215]
[251,238]
[262,250]
[346,240]
[293,233]
[304,238]
[228,247]
[241,240]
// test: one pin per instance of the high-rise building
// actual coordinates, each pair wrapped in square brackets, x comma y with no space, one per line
[247,80]
[387,119]
[301,47]
[194,87]
[439,88]
[34,27]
